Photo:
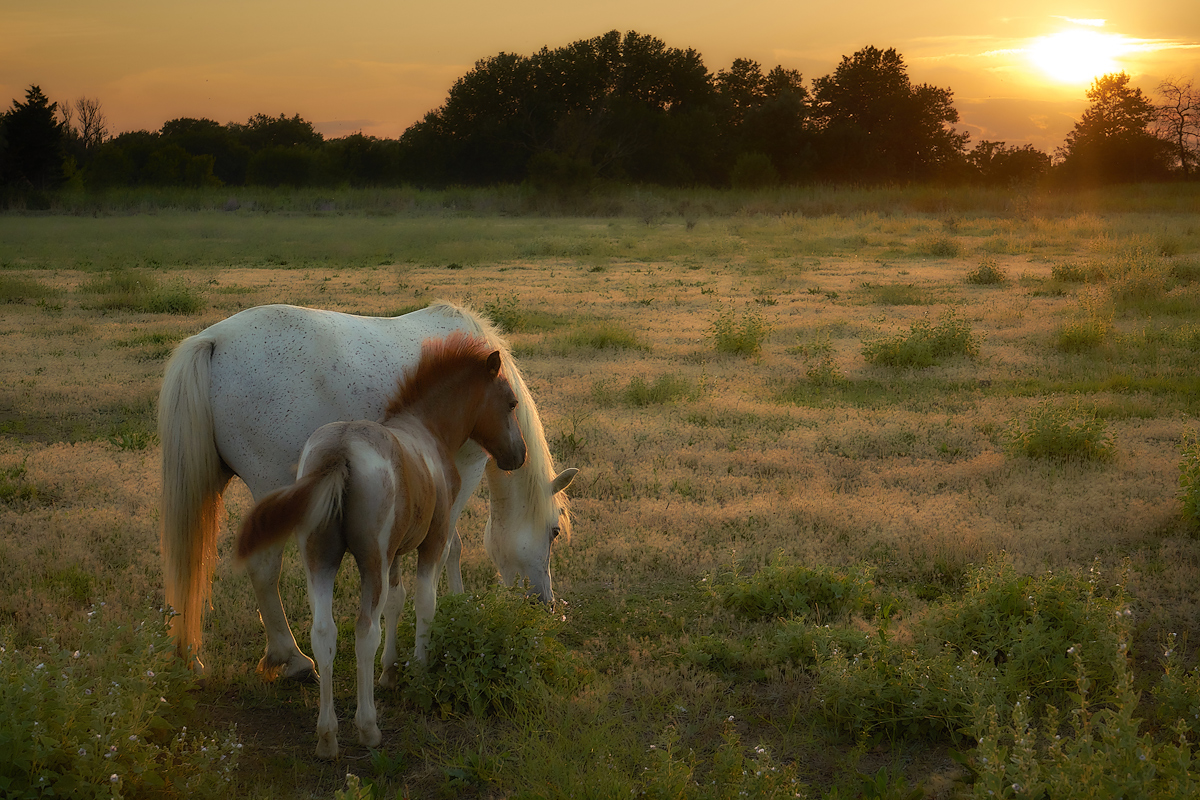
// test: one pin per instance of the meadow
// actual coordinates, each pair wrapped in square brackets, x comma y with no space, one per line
[882,494]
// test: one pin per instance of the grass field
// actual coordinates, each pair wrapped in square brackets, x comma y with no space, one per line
[872,503]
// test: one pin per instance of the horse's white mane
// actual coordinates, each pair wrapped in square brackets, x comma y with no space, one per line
[538,461]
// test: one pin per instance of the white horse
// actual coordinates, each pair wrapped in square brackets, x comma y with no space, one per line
[381,489]
[242,396]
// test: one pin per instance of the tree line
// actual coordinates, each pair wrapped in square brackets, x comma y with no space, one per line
[620,108]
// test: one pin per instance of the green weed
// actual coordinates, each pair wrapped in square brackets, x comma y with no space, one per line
[665,388]
[925,344]
[781,590]
[106,719]
[986,274]
[1189,477]
[1060,433]
[898,294]
[604,336]
[18,290]
[939,247]
[141,292]
[742,334]
[491,652]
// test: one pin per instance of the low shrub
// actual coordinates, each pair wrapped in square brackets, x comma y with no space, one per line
[1189,477]
[1052,432]
[505,313]
[605,336]
[736,334]
[106,719]
[664,389]
[780,590]
[18,290]
[925,344]
[491,652]
[986,274]
[141,292]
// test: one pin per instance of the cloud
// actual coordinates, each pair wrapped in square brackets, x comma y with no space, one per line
[1092,23]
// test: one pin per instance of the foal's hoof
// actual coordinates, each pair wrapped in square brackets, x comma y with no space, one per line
[369,737]
[327,747]
[390,677]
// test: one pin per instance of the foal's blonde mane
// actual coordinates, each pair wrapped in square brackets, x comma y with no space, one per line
[439,358]
[538,461]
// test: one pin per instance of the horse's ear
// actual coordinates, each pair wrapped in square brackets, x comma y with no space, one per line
[493,363]
[563,480]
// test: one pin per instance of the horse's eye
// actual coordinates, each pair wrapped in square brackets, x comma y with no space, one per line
[512,406]
[554,532]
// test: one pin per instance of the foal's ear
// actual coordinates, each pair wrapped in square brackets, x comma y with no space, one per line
[493,363]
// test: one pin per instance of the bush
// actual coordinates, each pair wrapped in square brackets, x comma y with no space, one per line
[491,652]
[17,290]
[1061,434]
[606,336]
[505,314]
[665,389]
[781,590]
[986,274]
[141,292]
[742,335]
[1189,477]
[106,719]
[925,344]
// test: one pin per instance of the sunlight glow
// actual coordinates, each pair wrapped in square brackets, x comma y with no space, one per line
[1077,56]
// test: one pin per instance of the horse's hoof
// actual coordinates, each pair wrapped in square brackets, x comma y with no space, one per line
[297,669]
[327,746]
[370,737]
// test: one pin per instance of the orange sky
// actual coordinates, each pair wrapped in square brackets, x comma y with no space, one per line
[378,66]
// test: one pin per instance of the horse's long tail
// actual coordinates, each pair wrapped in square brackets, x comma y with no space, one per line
[193,479]
[309,504]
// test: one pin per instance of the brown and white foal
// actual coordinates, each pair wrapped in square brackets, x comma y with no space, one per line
[381,489]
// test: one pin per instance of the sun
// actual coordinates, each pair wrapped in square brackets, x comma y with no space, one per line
[1077,56]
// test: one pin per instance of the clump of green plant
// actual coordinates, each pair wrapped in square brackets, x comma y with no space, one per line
[129,290]
[106,719]
[665,388]
[1177,695]
[489,652]
[925,344]
[899,294]
[739,334]
[780,590]
[1060,433]
[1032,630]
[1189,477]
[505,313]
[1096,751]
[986,274]
[18,290]
[16,489]
[939,246]
[604,336]
[820,362]
[1071,272]
[734,771]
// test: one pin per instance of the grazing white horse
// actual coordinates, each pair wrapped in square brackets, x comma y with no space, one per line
[242,396]
[381,489]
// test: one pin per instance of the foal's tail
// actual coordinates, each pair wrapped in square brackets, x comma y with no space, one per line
[193,479]
[308,504]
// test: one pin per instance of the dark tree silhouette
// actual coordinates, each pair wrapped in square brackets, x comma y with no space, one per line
[34,138]
[875,125]
[1178,121]
[997,164]
[1112,142]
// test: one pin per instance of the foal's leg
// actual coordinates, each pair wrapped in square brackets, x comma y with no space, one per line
[283,658]
[366,645]
[392,608]
[425,599]
[324,642]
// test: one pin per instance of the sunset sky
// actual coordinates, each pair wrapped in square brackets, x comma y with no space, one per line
[1018,69]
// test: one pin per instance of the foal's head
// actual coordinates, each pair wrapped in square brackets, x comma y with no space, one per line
[462,375]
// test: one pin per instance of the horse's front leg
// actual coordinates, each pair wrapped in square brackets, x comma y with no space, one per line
[392,608]
[425,597]
[283,658]
[470,462]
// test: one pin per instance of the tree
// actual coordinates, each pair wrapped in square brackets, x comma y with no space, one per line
[998,164]
[85,122]
[33,135]
[1178,121]
[876,125]
[1112,142]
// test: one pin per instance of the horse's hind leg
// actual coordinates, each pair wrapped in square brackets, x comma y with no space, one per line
[366,645]
[324,641]
[392,607]
[283,658]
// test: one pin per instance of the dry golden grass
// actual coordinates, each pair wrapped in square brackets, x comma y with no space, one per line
[905,470]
